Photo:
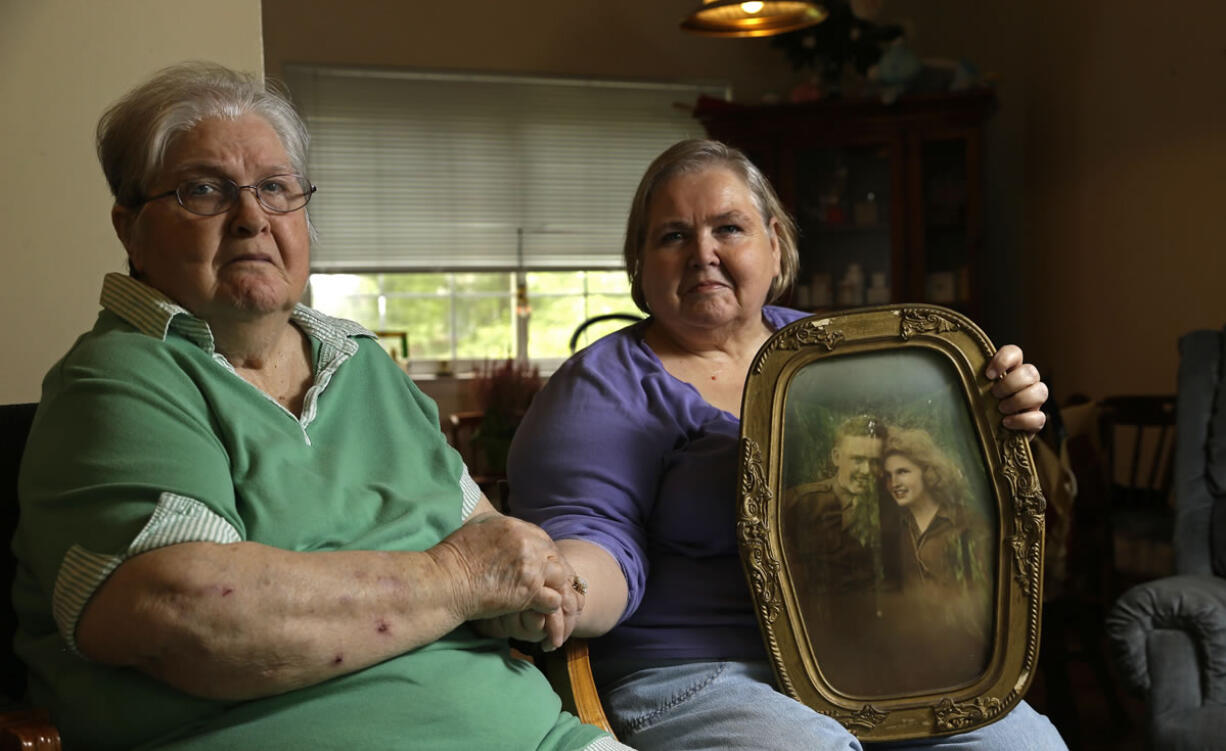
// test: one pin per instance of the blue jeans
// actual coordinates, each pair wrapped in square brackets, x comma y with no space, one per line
[734,705]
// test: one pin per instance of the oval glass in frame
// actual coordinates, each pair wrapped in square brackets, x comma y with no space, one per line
[890,527]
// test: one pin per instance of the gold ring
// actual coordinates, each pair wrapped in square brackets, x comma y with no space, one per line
[579,584]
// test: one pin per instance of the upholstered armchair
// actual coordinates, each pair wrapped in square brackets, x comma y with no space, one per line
[1168,636]
[21,727]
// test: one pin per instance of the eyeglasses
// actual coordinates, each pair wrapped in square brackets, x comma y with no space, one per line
[279,194]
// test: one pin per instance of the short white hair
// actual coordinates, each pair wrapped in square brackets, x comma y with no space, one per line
[134,134]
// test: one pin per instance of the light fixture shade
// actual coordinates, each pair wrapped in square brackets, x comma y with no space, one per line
[737,18]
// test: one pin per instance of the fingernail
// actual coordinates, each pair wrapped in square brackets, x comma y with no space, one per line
[991,374]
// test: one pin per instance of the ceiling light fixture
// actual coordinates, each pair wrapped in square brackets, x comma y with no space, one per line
[734,18]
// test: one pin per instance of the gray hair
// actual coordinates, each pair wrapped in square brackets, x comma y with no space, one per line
[134,134]
[693,156]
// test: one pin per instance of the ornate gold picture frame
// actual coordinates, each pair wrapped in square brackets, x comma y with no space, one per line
[890,527]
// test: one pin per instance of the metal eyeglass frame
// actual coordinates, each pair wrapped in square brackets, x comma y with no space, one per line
[236,191]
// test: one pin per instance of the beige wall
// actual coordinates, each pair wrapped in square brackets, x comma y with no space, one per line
[61,63]
[1111,148]
[602,38]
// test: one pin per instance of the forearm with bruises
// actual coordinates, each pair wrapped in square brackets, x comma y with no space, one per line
[245,620]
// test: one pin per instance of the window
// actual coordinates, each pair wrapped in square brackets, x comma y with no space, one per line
[468,316]
[482,215]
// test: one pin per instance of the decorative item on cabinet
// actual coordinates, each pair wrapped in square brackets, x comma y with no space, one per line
[851,289]
[833,197]
[864,213]
[878,293]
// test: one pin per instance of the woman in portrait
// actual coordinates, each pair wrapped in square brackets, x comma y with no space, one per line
[945,542]
[945,559]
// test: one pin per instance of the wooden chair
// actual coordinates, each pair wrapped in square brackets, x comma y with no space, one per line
[1137,434]
[570,673]
[1120,453]
[30,729]
[621,319]
[1076,591]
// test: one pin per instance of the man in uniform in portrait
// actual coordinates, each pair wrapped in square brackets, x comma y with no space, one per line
[837,522]
[839,538]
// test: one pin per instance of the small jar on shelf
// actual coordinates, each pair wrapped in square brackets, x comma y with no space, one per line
[851,288]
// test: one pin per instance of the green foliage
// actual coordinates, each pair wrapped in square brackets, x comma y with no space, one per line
[471,315]
[553,283]
[489,328]
[356,309]
[553,320]
[415,315]
[586,294]
[807,443]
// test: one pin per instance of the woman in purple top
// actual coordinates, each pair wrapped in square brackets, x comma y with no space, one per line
[628,459]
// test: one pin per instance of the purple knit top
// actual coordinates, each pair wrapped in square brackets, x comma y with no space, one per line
[616,451]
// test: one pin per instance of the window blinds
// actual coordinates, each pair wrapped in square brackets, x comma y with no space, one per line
[420,171]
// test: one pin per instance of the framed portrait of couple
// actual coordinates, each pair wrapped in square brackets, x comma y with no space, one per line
[890,527]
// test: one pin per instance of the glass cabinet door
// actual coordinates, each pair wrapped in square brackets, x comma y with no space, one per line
[889,199]
[946,234]
[843,202]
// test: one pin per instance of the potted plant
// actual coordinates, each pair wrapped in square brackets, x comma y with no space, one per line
[501,391]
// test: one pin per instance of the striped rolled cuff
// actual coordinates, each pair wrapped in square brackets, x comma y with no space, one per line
[175,519]
[470,492]
[606,743]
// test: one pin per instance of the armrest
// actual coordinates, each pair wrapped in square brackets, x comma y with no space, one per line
[27,730]
[569,672]
[1192,605]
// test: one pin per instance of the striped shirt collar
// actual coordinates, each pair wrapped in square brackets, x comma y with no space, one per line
[156,315]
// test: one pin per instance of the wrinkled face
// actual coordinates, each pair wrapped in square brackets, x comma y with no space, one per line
[904,479]
[857,463]
[709,259]
[238,265]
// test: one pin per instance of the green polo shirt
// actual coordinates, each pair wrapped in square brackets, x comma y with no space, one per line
[145,436]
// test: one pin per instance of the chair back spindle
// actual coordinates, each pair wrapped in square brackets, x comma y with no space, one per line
[1138,437]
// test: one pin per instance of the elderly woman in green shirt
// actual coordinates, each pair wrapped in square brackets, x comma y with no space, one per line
[240,524]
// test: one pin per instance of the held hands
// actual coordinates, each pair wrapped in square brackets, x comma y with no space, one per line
[510,578]
[1020,389]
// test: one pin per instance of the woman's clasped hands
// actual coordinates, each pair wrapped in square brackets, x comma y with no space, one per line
[510,579]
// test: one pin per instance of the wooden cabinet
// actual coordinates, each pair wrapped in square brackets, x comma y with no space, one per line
[888,198]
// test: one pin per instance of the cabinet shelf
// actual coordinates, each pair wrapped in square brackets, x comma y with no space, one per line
[840,229]
[904,165]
